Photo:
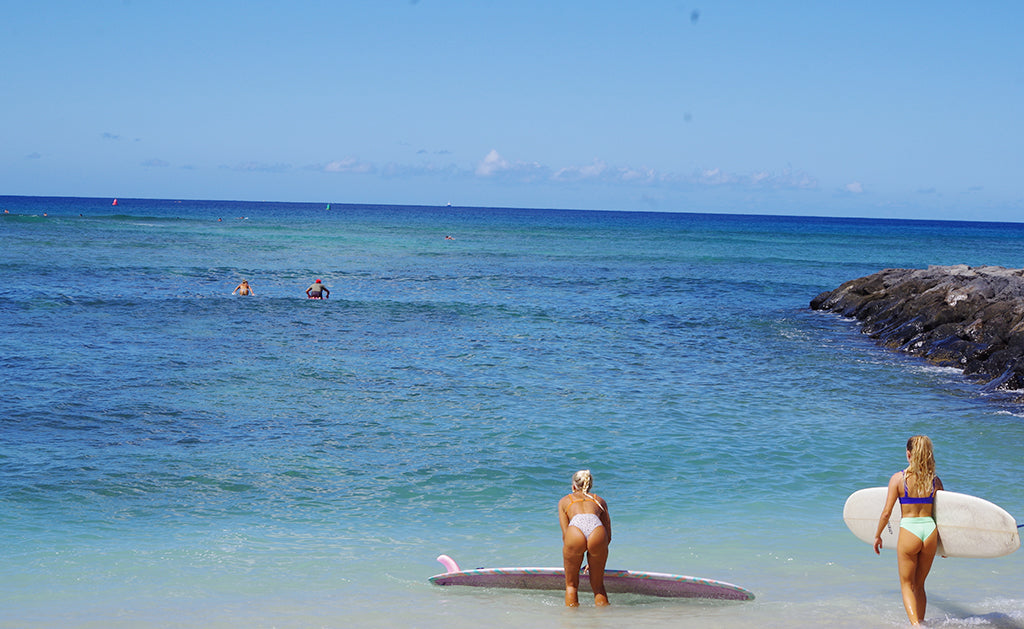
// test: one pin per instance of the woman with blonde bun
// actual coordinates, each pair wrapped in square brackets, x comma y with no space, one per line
[586,529]
[915,488]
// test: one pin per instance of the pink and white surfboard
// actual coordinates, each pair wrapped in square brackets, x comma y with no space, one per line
[615,581]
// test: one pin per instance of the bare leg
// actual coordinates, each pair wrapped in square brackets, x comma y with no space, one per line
[924,566]
[597,557]
[914,562]
[574,545]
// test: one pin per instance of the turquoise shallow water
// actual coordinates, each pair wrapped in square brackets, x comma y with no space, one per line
[176,456]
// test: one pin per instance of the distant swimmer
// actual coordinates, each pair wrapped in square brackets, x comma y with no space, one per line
[448,238]
[243,289]
[318,291]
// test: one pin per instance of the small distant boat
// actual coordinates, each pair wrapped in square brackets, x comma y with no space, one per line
[114,203]
[449,204]
[328,206]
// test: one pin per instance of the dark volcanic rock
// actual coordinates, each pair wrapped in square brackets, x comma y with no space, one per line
[956,316]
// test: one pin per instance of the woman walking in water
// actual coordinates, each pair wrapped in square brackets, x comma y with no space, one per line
[915,488]
[586,529]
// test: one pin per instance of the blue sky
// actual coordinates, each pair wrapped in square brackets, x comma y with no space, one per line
[886,109]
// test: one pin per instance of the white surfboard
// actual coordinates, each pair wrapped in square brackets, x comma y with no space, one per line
[615,581]
[968,526]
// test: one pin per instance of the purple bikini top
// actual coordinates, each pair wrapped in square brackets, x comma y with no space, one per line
[907,500]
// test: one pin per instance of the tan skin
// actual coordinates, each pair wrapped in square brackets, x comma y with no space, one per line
[914,557]
[243,289]
[575,545]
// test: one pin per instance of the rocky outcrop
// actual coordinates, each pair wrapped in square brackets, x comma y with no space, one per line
[957,316]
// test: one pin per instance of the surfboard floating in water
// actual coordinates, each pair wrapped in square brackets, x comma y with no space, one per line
[615,582]
[968,526]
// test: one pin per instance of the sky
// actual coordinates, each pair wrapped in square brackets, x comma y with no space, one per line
[907,109]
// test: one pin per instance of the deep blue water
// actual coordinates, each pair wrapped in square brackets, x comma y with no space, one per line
[174,455]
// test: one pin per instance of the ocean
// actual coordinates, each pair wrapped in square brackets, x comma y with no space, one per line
[173,455]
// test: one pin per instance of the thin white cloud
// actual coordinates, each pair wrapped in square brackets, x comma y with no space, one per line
[714,177]
[492,164]
[595,170]
[395,170]
[786,179]
[348,165]
[260,167]
[638,175]
[601,172]
[598,171]
[855,187]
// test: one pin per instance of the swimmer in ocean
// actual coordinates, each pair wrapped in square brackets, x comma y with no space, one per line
[318,291]
[243,289]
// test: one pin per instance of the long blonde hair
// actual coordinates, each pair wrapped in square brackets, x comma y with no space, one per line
[922,464]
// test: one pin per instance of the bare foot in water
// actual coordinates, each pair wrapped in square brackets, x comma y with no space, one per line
[572,598]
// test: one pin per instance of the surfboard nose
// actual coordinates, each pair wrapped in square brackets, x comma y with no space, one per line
[448,563]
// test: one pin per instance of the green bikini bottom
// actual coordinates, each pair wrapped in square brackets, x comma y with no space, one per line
[921,527]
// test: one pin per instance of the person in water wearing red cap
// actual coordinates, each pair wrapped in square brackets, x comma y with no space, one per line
[318,291]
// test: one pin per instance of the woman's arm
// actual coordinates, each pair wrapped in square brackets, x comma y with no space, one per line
[563,516]
[890,502]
